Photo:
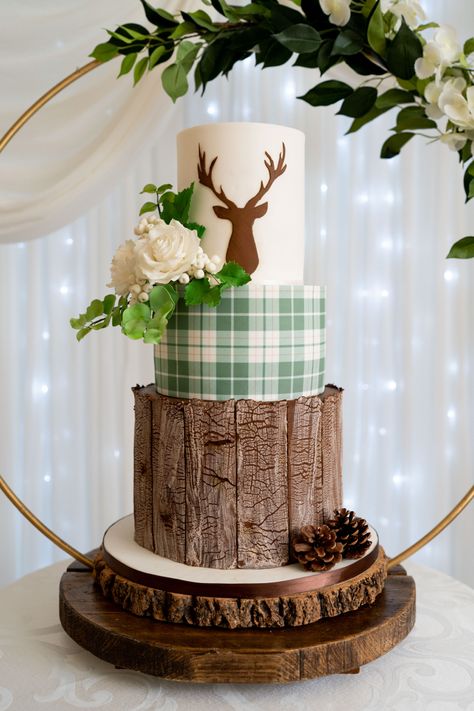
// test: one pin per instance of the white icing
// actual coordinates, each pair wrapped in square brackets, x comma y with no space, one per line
[119,543]
[240,168]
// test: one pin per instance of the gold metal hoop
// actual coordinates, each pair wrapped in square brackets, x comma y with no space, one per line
[19,123]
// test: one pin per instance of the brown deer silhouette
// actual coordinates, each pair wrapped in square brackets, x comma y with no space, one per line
[242,247]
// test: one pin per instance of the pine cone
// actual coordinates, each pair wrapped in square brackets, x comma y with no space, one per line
[316,548]
[352,531]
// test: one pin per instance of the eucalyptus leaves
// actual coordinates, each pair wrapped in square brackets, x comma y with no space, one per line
[381,40]
[146,272]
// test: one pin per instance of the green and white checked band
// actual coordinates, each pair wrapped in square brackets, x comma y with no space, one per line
[262,342]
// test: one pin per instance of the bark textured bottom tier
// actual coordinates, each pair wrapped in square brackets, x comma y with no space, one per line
[227,484]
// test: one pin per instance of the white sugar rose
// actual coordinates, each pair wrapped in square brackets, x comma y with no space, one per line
[123,268]
[166,252]
[339,11]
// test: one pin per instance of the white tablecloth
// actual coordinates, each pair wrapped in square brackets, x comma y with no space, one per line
[42,668]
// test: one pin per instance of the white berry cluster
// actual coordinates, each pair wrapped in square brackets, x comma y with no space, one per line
[146,224]
[201,267]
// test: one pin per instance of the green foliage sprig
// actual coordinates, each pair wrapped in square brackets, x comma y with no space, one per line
[379,46]
[148,320]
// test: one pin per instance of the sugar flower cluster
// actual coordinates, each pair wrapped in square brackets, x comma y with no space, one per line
[162,254]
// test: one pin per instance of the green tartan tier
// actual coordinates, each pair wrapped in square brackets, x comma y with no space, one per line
[263,342]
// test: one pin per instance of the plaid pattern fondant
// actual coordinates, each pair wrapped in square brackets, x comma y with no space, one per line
[262,342]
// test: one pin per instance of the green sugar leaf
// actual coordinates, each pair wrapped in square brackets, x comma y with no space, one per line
[83,333]
[213,296]
[196,291]
[462,249]
[149,188]
[147,207]
[94,310]
[109,303]
[232,274]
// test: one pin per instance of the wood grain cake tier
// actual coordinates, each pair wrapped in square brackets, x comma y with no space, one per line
[226,484]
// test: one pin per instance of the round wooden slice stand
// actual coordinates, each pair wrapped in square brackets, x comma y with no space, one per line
[208,655]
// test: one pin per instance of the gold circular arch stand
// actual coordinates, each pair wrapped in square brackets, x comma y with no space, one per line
[4,140]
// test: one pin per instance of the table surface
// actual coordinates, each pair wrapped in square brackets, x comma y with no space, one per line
[42,668]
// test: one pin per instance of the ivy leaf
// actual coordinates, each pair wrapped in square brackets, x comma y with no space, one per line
[195,292]
[104,52]
[394,144]
[174,81]
[359,102]
[403,52]
[376,31]
[462,249]
[127,63]
[139,70]
[327,92]
[394,97]
[299,38]
[147,207]
[232,274]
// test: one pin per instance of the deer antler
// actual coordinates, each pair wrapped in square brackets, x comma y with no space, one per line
[274,172]
[205,178]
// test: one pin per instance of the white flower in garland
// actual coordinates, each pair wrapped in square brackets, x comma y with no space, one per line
[433,93]
[123,269]
[411,11]
[166,252]
[438,54]
[458,108]
[339,11]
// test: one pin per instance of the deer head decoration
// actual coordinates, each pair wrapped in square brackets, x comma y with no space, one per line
[242,247]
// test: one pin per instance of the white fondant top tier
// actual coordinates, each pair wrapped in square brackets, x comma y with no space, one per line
[249,194]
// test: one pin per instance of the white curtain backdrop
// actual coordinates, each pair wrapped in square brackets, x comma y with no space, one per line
[400,335]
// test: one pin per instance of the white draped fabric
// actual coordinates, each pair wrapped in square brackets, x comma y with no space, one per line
[400,336]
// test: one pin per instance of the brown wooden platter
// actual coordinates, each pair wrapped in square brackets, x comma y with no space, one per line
[184,653]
